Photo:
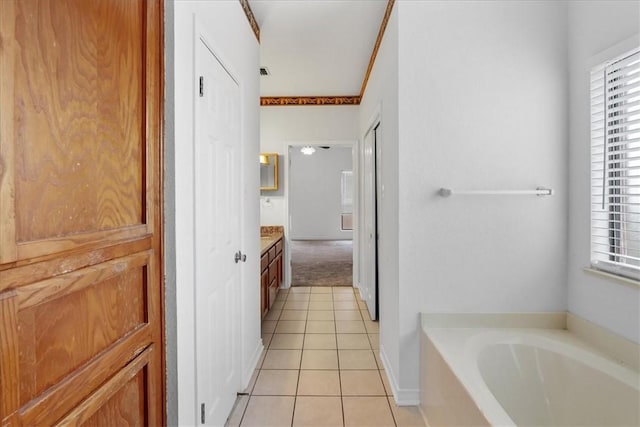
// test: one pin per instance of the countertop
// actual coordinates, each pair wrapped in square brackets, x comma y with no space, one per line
[266,241]
[269,235]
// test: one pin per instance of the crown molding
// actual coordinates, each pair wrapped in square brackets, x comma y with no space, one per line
[376,47]
[267,101]
[251,18]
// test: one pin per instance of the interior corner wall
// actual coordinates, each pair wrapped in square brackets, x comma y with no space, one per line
[594,26]
[482,106]
[381,98]
[234,42]
[315,193]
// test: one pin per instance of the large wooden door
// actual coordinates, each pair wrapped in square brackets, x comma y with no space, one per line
[217,218]
[80,212]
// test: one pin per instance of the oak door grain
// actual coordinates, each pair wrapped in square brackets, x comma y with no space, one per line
[81,212]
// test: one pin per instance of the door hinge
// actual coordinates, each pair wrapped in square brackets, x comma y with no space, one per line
[202,413]
[201,80]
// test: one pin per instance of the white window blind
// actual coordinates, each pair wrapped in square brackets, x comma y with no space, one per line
[615,165]
[346,191]
[346,198]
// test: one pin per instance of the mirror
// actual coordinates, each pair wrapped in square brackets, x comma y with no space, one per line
[268,171]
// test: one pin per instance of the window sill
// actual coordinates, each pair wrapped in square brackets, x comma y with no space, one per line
[606,275]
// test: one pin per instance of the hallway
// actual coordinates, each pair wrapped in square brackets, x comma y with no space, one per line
[320,366]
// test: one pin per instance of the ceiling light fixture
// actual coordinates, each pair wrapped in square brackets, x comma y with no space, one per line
[307,150]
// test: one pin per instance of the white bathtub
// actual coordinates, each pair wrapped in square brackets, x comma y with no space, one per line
[524,377]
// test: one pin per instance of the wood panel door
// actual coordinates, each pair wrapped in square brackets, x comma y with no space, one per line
[80,212]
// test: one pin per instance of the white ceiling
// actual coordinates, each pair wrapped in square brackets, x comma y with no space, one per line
[316,47]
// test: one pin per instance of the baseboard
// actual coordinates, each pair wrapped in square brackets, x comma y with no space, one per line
[253,364]
[403,397]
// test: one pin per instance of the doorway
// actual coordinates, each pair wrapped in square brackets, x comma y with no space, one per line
[320,202]
[368,232]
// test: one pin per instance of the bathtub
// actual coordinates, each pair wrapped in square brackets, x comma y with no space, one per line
[523,377]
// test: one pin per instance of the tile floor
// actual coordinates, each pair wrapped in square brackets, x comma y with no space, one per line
[320,366]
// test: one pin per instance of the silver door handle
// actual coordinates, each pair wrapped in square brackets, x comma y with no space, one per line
[239,256]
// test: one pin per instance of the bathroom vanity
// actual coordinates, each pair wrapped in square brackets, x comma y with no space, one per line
[271,265]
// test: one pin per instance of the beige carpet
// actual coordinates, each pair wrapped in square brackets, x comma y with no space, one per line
[321,262]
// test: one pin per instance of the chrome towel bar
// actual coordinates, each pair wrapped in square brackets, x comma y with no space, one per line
[540,191]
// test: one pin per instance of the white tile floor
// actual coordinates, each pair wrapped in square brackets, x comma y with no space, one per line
[320,366]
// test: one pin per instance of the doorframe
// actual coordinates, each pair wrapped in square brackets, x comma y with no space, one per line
[287,174]
[374,122]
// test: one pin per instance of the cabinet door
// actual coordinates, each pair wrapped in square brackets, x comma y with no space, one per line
[80,213]
[264,292]
[279,270]
[273,291]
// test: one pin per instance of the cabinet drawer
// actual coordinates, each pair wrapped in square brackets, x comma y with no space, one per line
[279,247]
[272,253]
[264,262]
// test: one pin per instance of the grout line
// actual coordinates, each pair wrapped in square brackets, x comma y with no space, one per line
[244,412]
[393,417]
[317,395]
[335,327]
[304,337]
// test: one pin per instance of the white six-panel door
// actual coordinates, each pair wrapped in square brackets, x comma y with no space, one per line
[217,224]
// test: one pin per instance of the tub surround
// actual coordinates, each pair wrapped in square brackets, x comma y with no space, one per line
[615,346]
[621,349]
[552,320]
[444,400]
[456,389]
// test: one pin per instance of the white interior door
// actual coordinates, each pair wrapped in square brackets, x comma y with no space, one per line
[217,219]
[368,276]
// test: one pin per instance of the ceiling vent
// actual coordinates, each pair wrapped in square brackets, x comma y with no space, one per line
[264,71]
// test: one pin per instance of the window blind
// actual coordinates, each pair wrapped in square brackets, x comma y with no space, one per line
[615,165]
[346,198]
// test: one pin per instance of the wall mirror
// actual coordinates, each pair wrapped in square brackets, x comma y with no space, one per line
[268,171]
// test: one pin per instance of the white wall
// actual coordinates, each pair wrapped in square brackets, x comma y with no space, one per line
[381,100]
[284,126]
[315,193]
[594,26]
[482,105]
[237,47]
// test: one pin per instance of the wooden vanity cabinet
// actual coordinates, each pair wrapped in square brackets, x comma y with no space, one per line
[272,274]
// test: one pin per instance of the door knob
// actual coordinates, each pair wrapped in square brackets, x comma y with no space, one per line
[239,256]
